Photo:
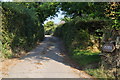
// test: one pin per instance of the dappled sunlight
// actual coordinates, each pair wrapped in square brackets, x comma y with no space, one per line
[47,60]
[46,51]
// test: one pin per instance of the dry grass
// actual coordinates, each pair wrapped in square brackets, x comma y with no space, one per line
[7,64]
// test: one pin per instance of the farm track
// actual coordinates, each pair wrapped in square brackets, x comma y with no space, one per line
[47,60]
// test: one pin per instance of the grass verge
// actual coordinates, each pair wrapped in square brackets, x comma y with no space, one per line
[90,63]
[85,58]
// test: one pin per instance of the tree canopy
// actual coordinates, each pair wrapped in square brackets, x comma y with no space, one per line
[74,9]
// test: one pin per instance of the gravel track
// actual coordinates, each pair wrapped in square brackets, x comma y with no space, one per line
[47,60]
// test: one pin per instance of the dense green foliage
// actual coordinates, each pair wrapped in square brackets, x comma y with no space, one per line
[80,36]
[76,33]
[45,10]
[73,9]
[21,28]
[113,12]
[93,9]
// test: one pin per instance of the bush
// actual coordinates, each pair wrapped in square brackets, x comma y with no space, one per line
[21,28]
[100,73]
[77,33]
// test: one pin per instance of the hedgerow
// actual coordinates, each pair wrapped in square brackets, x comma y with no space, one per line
[76,33]
[80,37]
[21,29]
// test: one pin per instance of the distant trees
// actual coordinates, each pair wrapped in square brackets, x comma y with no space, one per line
[49,24]
[66,19]
[49,27]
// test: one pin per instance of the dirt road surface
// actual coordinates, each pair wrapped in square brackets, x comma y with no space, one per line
[47,60]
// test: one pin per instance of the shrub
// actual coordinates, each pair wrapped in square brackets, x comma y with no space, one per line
[77,33]
[21,28]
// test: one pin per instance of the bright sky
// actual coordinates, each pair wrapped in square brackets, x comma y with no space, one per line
[5,0]
[56,19]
